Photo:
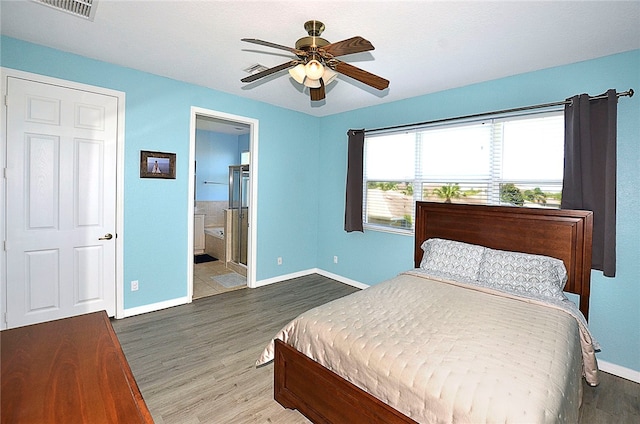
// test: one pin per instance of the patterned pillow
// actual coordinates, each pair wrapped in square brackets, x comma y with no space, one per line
[451,258]
[522,273]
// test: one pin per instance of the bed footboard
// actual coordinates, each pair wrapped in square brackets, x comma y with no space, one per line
[323,396]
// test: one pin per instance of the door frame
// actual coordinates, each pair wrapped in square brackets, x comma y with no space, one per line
[253,190]
[5,73]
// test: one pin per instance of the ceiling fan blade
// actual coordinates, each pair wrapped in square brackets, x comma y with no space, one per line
[269,71]
[362,75]
[317,94]
[352,45]
[275,46]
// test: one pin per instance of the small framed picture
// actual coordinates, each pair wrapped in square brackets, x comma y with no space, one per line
[157,165]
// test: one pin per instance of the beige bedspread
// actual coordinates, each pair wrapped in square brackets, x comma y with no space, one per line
[441,352]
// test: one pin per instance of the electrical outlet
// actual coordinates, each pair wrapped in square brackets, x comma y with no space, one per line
[335,259]
[279,260]
[134,285]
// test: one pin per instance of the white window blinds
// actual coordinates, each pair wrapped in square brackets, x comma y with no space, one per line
[514,160]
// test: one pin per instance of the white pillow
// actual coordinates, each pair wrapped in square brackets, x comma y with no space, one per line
[452,258]
[522,273]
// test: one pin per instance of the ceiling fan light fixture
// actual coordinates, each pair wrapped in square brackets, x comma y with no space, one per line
[312,83]
[315,65]
[298,73]
[314,69]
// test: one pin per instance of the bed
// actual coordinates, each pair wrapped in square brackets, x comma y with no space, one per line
[440,343]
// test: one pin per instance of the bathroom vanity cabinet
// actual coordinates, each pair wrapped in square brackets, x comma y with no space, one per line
[198,234]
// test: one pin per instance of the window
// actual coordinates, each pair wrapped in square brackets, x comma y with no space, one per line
[515,160]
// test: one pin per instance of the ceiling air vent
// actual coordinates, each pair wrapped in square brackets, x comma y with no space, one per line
[254,69]
[81,8]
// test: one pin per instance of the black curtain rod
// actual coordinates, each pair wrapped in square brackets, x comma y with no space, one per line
[497,112]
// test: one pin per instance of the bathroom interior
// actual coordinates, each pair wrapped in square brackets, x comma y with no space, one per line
[221,218]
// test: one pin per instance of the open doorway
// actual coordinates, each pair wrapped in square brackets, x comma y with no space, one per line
[222,193]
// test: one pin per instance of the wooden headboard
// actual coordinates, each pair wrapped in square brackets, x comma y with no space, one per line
[559,233]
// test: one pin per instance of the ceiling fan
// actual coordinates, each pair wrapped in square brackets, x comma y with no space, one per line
[316,64]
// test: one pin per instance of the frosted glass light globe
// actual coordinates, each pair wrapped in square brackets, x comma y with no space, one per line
[314,69]
[298,73]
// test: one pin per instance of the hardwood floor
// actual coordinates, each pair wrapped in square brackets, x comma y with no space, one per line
[615,400]
[195,363]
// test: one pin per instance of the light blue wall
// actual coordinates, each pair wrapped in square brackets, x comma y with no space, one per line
[373,256]
[155,211]
[302,168]
[215,152]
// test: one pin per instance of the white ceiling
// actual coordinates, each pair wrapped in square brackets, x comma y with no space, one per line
[420,46]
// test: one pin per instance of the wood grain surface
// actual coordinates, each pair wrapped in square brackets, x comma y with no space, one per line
[71,370]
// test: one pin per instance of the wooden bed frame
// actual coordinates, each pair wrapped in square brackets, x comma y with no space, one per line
[324,397]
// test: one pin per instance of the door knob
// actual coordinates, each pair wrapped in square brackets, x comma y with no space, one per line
[107,236]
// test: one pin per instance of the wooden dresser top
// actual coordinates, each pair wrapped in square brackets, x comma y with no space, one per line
[71,370]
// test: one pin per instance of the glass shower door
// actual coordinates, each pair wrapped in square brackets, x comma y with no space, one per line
[239,205]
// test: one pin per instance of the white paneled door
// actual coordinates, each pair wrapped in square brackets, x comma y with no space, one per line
[61,202]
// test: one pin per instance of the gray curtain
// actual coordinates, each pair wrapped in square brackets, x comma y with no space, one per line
[353,201]
[590,171]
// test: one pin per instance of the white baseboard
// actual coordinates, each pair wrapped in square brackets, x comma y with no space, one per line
[342,279]
[309,272]
[619,371]
[284,277]
[183,300]
[154,307]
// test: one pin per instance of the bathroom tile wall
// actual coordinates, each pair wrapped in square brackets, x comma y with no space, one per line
[213,211]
